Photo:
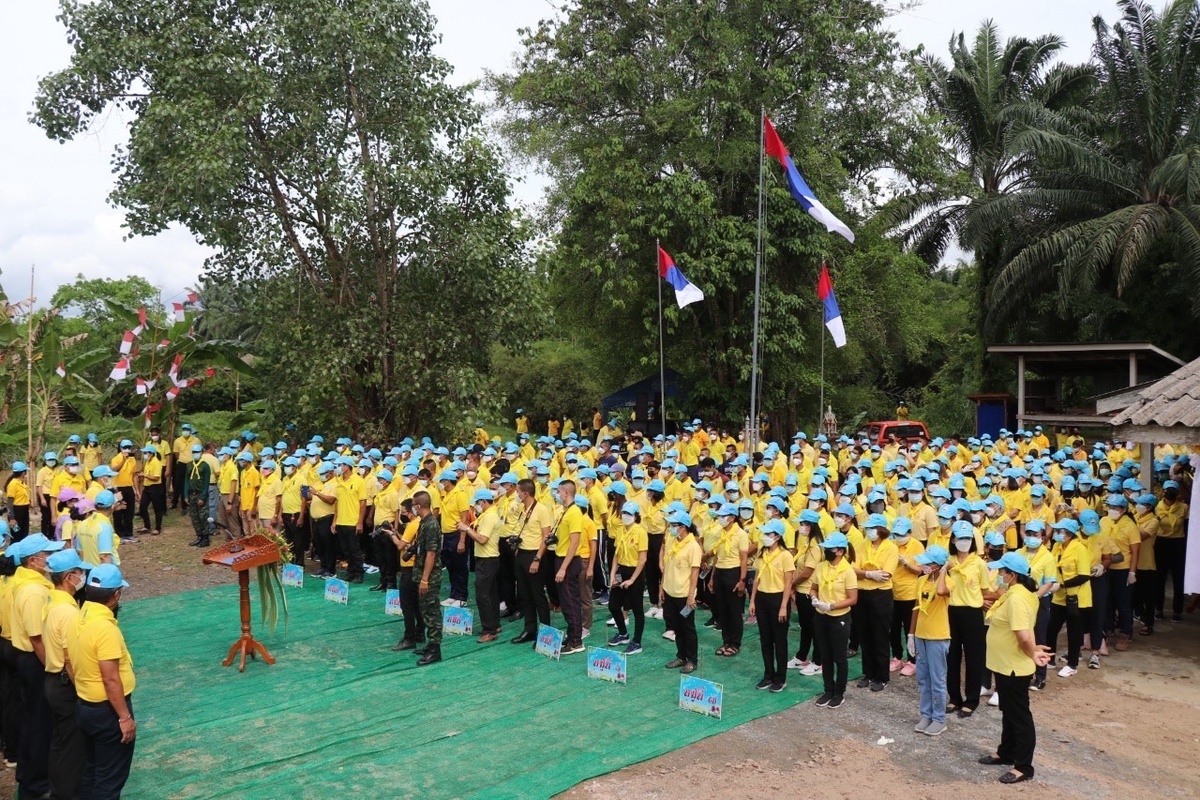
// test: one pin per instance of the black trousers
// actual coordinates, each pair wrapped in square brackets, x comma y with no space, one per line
[21,519]
[806,614]
[457,567]
[1018,736]
[106,760]
[572,608]
[603,559]
[11,701]
[901,618]
[832,636]
[347,540]
[410,605]
[506,577]
[686,642]
[487,593]
[531,589]
[326,546]
[153,496]
[652,571]
[67,752]
[1169,555]
[47,523]
[876,616]
[967,642]
[1075,624]
[389,562]
[622,600]
[123,519]
[729,606]
[772,634]
[1145,592]
[296,535]
[33,760]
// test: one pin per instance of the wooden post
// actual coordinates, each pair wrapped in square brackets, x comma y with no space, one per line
[1021,392]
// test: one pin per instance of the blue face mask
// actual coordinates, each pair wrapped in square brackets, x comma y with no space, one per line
[1058,537]
[1033,542]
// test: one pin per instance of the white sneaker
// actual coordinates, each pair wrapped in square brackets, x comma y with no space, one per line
[586,633]
[994,700]
[448,602]
[612,623]
[813,668]
[503,607]
[984,691]
[796,663]
[654,613]
[669,635]
[1066,672]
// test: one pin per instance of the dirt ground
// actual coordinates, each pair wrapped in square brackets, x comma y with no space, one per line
[1130,729]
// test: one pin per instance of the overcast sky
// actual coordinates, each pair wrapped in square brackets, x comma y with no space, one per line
[53,207]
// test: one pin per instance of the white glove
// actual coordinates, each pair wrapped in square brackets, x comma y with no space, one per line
[1097,570]
[1132,579]
[822,606]
[912,645]
[876,575]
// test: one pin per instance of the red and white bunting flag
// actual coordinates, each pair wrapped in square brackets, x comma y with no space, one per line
[61,370]
[141,386]
[126,342]
[210,372]
[177,311]
[120,370]
[175,366]
[173,392]
[164,344]
[193,298]
[141,322]
[179,382]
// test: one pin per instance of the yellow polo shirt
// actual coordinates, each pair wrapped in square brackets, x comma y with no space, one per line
[228,474]
[249,481]
[125,467]
[182,448]
[773,569]
[293,501]
[271,489]
[152,471]
[1015,610]
[680,557]
[31,597]
[318,507]
[833,584]
[630,543]
[489,525]
[933,612]
[969,578]
[350,493]
[95,637]
[1074,560]
[570,522]
[730,544]
[60,615]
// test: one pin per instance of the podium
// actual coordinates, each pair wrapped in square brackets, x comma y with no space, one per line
[242,555]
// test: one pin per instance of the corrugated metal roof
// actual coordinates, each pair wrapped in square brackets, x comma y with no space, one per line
[1175,400]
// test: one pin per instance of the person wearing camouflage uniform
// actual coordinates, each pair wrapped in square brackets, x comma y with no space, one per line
[428,545]
[195,485]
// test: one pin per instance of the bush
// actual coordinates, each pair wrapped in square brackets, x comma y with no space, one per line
[553,379]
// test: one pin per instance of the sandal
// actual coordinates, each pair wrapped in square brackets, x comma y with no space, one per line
[722,650]
[965,713]
[991,760]
[732,651]
[1146,631]
[1014,777]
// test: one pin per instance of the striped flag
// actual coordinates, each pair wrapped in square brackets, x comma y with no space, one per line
[833,314]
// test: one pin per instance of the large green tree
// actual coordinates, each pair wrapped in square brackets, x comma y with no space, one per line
[646,116]
[1111,214]
[318,147]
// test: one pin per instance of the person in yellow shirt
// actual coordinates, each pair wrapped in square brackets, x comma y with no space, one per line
[521,423]
[68,573]
[727,584]
[322,505]
[91,454]
[351,505]
[181,457]
[769,605]
[532,528]
[249,481]
[681,557]
[553,426]
[43,492]
[834,592]
[485,532]
[1170,548]
[151,491]
[904,594]
[1044,571]
[414,625]
[387,520]
[1120,528]
[807,558]
[69,477]
[1012,656]
[970,576]
[630,547]
[18,493]
[455,508]
[874,566]
[270,497]
[1147,579]
[570,557]
[1071,602]
[105,683]
[929,637]
[125,464]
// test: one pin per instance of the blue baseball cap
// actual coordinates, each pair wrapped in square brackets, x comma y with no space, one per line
[727,510]
[106,576]
[936,554]
[962,530]
[902,526]
[845,509]
[483,494]
[66,560]
[30,545]
[876,521]
[384,475]
[1070,526]
[631,507]
[773,527]
[835,540]
[1013,562]
[680,518]
[105,499]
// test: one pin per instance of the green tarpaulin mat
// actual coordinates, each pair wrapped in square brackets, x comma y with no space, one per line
[340,714]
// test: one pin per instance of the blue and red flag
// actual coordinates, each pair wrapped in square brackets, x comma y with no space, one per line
[685,291]
[833,314]
[797,185]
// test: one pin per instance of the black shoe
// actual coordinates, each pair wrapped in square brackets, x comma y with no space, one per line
[765,683]
[420,652]
[523,638]
[404,644]
[837,701]
[878,686]
[194,542]
[711,623]
[688,668]
[378,588]
[1177,618]
[776,688]
[675,663]
[825,699]
[433,654]
[205,542]
[863,683]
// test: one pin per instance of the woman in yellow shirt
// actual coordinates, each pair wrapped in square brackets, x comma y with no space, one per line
[1013,655]
[808,558]
[969,574]
[876,562]
[929,637]
[904,594]
[1146,587]
[681,558]
[1072,600]
[1044,571]
[834,592]
[770,596]
[630,547]
[731,552]
[17,492]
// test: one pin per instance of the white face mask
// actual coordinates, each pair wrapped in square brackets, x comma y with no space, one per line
[962,545]
[914,497]
[1115,513]
[769,541]
[746,513]
[74,470]
[797,461]
[424,482]
[288,470]
[977,517]
[872,535]
[813,505]
[627,519]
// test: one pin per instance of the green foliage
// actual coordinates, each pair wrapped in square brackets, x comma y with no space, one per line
[360,221]
[551,379]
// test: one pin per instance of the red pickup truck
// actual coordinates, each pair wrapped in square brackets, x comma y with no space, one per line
[907,430]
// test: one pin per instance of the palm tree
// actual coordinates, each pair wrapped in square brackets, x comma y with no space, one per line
[984,98]
[1113,201]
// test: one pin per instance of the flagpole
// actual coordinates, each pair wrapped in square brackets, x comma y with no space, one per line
[821,409]
[662,370]
[29,369]
[752,436]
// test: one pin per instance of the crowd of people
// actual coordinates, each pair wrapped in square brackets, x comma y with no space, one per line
[956,562]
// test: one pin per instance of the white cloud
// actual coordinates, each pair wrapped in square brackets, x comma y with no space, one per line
[53,207]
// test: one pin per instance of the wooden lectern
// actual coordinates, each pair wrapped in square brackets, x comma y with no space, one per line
[243,555]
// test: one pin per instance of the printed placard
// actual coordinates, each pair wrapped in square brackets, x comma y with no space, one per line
[606,665]
[701,696]
[391,603]
[549,642]
[458,621]
[337,591]
[293,575]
